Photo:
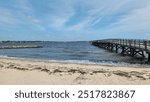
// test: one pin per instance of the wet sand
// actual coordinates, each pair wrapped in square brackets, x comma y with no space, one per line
[29,72]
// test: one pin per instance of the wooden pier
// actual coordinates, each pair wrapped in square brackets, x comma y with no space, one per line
[131,47]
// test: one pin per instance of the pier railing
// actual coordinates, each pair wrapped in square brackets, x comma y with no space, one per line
[135,43]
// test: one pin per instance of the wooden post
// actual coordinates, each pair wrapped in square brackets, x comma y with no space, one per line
[145,44]
[148,57]
[139,43]
[134,42]
[107,46]
[131,52]
[130,43]
[122,50]
[111,47]
[143,54]
[116,48]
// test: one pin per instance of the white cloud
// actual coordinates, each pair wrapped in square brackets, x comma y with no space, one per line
[7,19]
[97,11]
[34,20]
[133,17]
[24,6]
[137,21]
[61,12]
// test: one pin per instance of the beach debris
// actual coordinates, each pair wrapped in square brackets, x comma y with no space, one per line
[130,75]
[99,71]
[45,70]
[57,71]
[1,66]
[76,71]
[121,73]
[37,68]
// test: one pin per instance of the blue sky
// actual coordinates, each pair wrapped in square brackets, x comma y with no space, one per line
[74,20]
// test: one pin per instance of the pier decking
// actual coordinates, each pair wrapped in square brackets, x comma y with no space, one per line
[131,47]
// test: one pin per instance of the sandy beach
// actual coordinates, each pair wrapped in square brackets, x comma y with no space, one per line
[29,72]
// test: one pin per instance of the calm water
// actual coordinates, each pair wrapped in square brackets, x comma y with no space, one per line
[81,52]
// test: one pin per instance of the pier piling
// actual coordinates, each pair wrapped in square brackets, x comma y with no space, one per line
[148,57]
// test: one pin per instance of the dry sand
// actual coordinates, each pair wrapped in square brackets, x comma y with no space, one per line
[29,72]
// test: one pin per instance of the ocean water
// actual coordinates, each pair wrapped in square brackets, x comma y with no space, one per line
[78,52]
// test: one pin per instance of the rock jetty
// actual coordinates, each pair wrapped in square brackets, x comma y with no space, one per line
[19,47]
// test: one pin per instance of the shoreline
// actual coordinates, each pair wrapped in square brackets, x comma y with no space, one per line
[82,62]
[17,71]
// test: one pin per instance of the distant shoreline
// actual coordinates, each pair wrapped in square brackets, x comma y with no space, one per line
[19,47]
[38,41]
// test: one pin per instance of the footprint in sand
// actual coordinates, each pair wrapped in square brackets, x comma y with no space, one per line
[80,79]
[107,74]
